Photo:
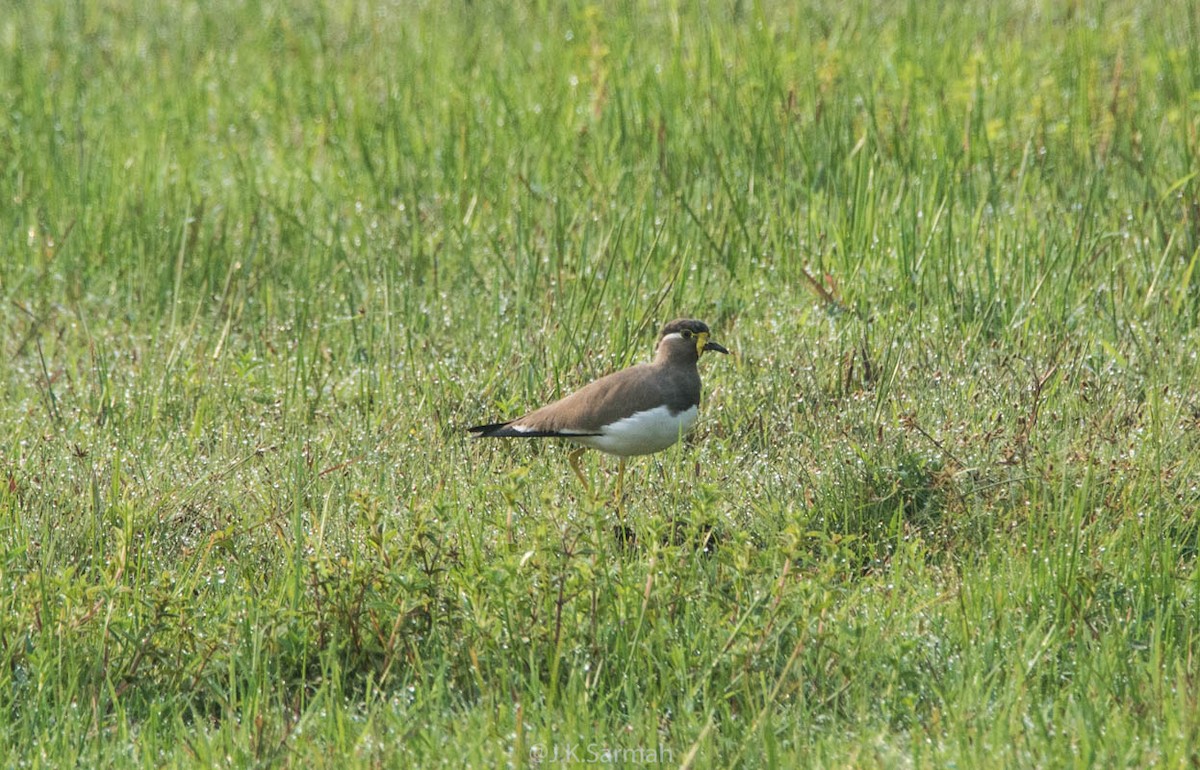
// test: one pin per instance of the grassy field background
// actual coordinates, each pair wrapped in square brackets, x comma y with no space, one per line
[262,263]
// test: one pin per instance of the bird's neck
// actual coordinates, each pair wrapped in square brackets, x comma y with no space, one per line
[664,358]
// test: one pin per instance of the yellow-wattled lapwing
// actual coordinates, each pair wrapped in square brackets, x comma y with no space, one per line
[635,411]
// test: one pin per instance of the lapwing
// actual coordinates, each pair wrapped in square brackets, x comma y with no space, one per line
[636,411]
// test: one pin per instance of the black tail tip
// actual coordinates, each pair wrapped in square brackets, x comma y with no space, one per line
[483,431]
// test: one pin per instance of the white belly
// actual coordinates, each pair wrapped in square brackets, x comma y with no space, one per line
[642,433]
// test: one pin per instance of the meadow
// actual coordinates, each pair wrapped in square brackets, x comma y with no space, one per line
[261,263]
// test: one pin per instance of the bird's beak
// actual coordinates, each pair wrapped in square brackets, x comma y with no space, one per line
[702,344]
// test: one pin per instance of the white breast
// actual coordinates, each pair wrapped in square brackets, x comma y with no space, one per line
[642,432]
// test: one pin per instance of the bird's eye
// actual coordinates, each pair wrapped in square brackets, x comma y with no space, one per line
[686,334]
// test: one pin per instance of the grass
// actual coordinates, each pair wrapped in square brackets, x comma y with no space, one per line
[263,262]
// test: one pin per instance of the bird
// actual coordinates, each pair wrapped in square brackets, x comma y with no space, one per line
[635,411]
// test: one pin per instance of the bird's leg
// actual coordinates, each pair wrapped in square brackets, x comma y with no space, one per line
[625,535]
[621,489]
[573,458]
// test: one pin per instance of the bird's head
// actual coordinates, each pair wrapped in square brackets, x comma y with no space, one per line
[686,339]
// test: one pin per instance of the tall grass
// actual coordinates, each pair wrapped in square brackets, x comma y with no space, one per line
[263,262]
